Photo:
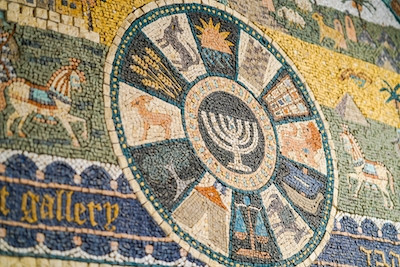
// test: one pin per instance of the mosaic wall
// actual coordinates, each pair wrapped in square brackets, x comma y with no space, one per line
[200,133]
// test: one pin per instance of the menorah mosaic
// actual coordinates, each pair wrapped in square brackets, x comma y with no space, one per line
[229,172]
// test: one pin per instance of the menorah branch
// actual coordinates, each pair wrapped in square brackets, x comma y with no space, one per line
[232,134]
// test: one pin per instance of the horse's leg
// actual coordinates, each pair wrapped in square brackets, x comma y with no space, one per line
[64,120]
[83,121]
[385,202]
[10,121]
[359,184]
[20,125]
[348,182]
[385,194]
[390,200]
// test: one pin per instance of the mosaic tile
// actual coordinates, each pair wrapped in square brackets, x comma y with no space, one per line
[222,165]
[50,103]
[371,243]
[92,209]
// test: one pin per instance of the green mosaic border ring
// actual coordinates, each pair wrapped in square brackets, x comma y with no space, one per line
[139,19]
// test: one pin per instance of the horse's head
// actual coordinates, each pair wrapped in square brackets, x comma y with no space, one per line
[76,77]
[66,79]
[345,136]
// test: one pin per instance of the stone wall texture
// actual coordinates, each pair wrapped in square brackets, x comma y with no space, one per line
[200,133]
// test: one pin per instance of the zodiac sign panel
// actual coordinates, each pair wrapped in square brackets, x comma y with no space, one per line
[205,109]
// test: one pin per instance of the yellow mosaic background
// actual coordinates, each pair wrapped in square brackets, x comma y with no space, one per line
[321,69]
[326,84]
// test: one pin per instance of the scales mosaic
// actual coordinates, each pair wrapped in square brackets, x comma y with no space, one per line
[220,137]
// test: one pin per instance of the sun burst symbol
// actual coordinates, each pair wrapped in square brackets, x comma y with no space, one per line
[211,37]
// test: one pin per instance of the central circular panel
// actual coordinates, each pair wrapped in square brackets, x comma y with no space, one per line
[220,138]
[230,132]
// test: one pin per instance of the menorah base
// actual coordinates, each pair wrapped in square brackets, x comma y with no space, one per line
[253,253]
[239,167]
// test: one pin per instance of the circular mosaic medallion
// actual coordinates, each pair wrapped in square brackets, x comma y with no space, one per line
[231,133]
[218,134]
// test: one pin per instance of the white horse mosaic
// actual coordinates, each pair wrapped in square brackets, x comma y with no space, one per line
[366,171]
[48,102]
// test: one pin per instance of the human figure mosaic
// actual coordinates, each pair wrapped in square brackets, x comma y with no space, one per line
[207,148]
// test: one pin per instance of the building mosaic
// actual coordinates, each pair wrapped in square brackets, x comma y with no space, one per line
[200,133]
[46,17]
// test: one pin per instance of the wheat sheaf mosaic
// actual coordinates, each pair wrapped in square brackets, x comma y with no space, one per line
[219,136]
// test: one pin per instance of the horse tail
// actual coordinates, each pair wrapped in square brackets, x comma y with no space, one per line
[3,102]
[391,182]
